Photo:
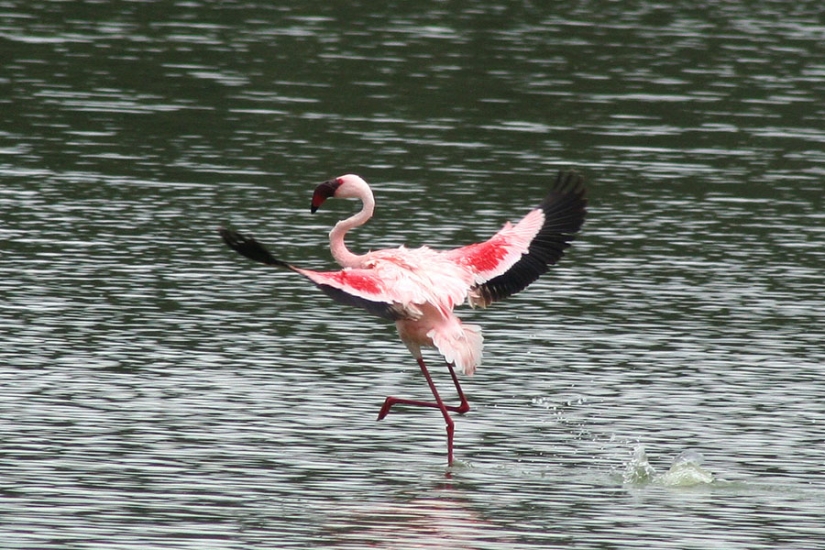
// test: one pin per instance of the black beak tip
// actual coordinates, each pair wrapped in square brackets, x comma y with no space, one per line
[313,209]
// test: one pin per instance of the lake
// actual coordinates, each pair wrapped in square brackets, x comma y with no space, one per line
[160,391]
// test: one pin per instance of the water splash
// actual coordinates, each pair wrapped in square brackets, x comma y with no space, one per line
[638,470]
[686,470]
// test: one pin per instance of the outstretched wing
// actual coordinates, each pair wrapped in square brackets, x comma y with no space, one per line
[362,288]
[354,287]
[519,254]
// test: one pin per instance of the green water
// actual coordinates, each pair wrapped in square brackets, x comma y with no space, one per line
[157,391]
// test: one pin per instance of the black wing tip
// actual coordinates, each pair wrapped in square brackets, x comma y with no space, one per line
[569,191]
[566,203]
[247,246]
[570,182]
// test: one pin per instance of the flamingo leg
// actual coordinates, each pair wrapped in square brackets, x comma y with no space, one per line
[462,408]
[439,404]
[465,406]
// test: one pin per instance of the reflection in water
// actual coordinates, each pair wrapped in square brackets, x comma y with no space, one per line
[443,519]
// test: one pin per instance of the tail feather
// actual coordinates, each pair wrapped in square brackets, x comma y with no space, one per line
[461,346]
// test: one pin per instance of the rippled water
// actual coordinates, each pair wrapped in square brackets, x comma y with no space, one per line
[159,391]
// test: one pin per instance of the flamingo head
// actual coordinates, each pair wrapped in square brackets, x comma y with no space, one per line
[348,186]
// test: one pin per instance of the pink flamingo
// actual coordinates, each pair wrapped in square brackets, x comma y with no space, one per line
[419,288]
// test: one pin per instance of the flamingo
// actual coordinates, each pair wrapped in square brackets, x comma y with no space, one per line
[419,288]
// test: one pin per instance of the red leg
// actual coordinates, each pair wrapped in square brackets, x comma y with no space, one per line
[460,409]
[465,406]
[439,404]
[392,400]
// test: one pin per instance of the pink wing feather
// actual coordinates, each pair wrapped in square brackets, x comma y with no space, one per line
[393,283]
[364,288]
[496,255]
[519,254]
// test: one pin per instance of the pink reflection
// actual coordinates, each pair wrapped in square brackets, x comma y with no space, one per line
[433,522]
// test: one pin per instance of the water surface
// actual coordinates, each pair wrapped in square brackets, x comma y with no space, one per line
[159,391]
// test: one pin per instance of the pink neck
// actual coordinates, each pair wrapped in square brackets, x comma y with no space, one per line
[339,249]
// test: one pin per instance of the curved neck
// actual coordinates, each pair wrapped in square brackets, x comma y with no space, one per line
[339,249]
